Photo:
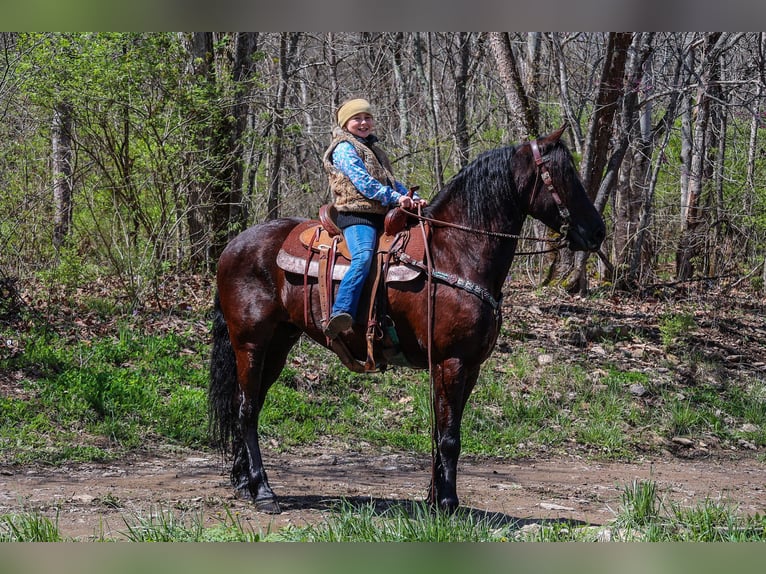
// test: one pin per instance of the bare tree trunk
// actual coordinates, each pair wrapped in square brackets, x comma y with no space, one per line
[219,194]
[401,98]
[61,141]
[720,249]
[461,99]
[752,149]
[691,213]
[566,100]
[424,66]
[641,243]
[610,91]
[242,71]
[754,123]
[288,46]
[633,181]
[332,62]
[302,153]
[200,47]
[523,110]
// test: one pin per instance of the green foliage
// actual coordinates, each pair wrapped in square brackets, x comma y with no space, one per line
[420,523]
[640,504]
[710,521]
[674,326]
[135,116]
[28,527]
[643,516]
[123,389]
[684,418]
[162,525]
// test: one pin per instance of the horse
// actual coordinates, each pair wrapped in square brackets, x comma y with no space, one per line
[259,308]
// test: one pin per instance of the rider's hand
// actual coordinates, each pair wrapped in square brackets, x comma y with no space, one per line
[408,202]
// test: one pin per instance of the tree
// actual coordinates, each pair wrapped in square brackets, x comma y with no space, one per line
[690,242]
[523,109]
[462,75]
[61,142]
[222,68]
[288,46]
[610,90]
[165,145]
[639,257]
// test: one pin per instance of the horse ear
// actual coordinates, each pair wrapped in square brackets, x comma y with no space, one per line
[553,137]
[556,136]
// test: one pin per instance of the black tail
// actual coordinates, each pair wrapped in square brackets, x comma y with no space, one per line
[222,392]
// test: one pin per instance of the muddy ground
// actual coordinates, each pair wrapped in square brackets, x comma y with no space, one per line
[92,501]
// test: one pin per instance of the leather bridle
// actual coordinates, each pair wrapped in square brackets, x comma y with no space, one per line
[545,175]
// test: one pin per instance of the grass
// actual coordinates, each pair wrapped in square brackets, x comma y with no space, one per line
[95,399]
[138,381]
[163,525]
[28,527]
[674,327]
[418,523]
[643,516]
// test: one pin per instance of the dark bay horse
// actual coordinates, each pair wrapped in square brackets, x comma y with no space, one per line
[259,308]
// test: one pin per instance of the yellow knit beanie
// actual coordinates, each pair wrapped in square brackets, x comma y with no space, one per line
[350,108]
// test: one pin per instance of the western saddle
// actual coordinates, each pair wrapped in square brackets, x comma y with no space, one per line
[317,249]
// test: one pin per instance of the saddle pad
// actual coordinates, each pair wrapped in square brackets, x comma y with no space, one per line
[295,249]
[398,273]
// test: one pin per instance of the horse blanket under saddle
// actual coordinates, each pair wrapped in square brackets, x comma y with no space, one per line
[310,238]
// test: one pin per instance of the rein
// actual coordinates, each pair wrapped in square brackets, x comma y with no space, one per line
[558,241]
[545,175]
[441,223]
[430,339]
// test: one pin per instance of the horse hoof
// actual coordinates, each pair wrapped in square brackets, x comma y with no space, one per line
[267,505]
[243,494]
[449,505]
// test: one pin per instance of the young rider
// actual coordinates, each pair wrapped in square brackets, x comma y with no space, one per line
[364,189]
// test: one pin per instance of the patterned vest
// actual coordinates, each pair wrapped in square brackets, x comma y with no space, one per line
[347,197]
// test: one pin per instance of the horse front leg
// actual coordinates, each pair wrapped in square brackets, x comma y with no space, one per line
[452,384]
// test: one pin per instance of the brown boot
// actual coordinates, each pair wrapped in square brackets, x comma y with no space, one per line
[338,323]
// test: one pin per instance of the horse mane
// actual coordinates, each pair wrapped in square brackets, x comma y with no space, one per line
[482,189]
[488,187]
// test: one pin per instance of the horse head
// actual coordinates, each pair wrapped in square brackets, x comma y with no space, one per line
[558,197]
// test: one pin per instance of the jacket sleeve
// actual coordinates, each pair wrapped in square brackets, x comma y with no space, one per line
[345,159]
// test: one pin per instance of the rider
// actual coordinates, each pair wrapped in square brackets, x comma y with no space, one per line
[365,189]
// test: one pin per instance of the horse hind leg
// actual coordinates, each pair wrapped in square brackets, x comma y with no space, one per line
[258,368]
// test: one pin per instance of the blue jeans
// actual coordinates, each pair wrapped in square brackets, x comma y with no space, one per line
[361,240]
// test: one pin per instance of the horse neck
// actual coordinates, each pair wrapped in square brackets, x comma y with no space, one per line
[482,254]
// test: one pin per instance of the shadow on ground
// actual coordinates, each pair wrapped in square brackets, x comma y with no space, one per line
[411,508]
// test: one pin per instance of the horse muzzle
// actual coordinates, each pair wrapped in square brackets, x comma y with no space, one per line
[581,239]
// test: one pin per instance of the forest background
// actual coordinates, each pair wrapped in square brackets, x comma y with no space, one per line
[140,155]
[129,160]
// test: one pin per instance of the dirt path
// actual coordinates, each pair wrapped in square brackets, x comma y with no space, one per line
[94,500]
